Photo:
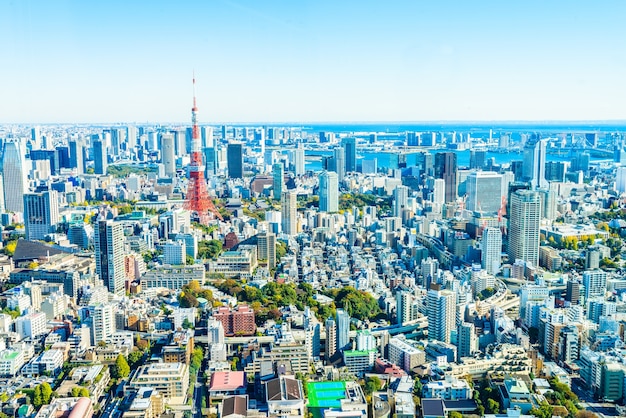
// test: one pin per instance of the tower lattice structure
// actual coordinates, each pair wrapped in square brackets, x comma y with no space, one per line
[198,199]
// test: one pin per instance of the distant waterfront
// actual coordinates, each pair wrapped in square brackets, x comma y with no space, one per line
[389,160]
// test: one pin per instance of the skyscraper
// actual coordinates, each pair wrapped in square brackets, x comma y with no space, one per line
[99,157]
[491,250]
[14,175]
[349,145]
[234,157]
[168,157]
[298,160]
[109,249]
[400,200]
[524,219]
[484,191]
[41,214]
[340,163]
[277,180]
[594,282]
[441,306]
[102,322]
[445,168]
[467,341]
[331,338]
[76,156]
[329,191]
[535,163]
[404,305]
[289,212]
[266,244]
[343,329]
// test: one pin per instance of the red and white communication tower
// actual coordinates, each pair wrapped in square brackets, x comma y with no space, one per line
[198,199]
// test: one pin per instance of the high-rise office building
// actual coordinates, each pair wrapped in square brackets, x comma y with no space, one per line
[76,156]
[343,329]
[329,191]
[14,174]
[41,214]
[266,244]
[524,219]
[117,139]
[484,191]
[349,146]
[400,200]
[277,180]
[478,159]
[109,249]
[175,253]
[467,340]
[445,168]
[572,292]
[491,247]
[168,157]
[131,138]
[234,157]
[298,160]
[339,158]
[535,163]
[594,282]
[289,212]
[331,337]
[102,322]
[404,305]
[99,157]
[441,306]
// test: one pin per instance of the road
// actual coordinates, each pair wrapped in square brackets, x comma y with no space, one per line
[196,412]
[602,409]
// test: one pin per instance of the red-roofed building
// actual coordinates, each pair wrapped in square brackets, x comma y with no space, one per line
[383,366]
[238,321]
[225,384]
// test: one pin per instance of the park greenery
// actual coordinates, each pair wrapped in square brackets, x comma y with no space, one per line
[267,301]
[188,297]
[209,249]
[122,171]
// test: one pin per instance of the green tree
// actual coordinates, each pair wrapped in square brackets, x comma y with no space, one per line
[46,392]
[455,414]
[493,406]
[135,358]
[372,384]
[120,369]
[187,300]
[80,392]
[209,249]
[37,397]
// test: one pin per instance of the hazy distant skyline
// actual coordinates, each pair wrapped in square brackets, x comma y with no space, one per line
[308,61]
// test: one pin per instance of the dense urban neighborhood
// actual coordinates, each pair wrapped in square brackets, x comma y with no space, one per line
[312,272]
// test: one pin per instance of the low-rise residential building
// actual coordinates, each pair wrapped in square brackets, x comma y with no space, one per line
[224,384]
[147,403]
[11,361]
[173,277]
[169,379]
[285,397]
[449,389]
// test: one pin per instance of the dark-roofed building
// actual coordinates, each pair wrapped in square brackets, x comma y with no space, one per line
[433,408]
[234,407]
[29,251]
[284,397]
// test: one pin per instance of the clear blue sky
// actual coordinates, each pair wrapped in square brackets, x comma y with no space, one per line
[296,60]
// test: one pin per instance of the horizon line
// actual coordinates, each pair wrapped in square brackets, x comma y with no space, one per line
[343,122]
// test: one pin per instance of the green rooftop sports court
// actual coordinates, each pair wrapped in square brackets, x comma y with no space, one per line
[326,394]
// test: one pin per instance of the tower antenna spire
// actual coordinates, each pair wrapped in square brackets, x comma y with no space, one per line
[198,199]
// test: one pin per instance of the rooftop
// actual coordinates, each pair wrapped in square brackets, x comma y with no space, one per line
[224,381]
